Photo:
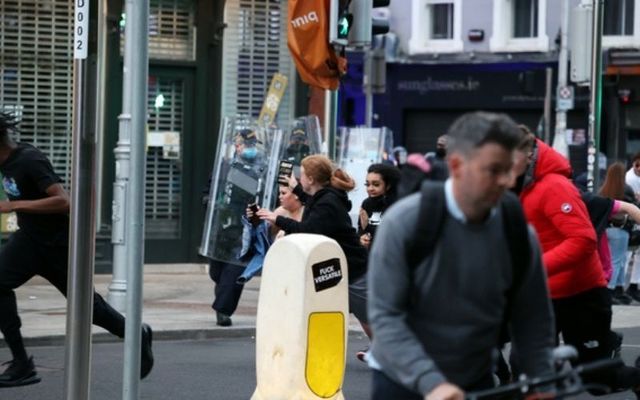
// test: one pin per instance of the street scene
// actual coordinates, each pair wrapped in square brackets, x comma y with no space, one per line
[320,199]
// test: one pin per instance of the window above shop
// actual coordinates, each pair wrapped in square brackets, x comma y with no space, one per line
[519,26]
[621,26]
[436,26]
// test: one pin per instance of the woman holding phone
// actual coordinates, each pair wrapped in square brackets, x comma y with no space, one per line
[323,191]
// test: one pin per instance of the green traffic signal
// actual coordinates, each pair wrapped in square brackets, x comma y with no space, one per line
[343,29]
[344,24]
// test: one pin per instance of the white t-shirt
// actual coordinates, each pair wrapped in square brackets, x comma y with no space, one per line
[633,180]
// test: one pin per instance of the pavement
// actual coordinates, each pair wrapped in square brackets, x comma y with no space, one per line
[176,303]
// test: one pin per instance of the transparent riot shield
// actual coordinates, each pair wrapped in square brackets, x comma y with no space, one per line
[360,147]
[239,177]
[301,138]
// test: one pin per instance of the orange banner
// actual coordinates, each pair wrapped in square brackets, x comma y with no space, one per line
[308,40]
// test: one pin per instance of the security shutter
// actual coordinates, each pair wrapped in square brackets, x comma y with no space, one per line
[36,71]
[163,173]
[172,32]
[255,48]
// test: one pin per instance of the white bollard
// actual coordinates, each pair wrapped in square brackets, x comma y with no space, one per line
[301,328]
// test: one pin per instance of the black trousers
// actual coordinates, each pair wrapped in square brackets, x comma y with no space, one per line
[227,292]
[384,388]
[584,320]
[21,258]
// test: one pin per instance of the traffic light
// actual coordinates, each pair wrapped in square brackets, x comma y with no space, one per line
[370,18]
[341,21]
[380,17]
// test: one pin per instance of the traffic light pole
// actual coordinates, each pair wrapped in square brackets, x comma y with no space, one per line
[559,140]
[368,90]
[595,101]
[331,121]
[136,51]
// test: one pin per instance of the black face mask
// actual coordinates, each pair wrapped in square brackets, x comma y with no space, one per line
[441,153]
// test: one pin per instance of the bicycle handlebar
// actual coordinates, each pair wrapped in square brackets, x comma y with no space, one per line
[524,386]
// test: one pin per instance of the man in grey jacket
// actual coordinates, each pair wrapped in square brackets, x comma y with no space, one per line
[436,324]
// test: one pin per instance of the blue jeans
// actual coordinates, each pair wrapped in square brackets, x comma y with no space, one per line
[618,243]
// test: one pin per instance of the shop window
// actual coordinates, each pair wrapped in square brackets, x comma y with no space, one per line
[441,20]
[519,26]
[618,18]
[436,26]
[621,26]
[525,18]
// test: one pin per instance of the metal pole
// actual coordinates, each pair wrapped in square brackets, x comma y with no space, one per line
[368,91]
[118,288]
[559,140]
[137,12]
[595,100]
[82,227]
[100,85]
[331,120]
[547,105]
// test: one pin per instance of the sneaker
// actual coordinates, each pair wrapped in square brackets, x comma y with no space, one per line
[624,299]
[19,373]
[223,319]
[634,293]
[363,354]
[146,353]
[619,295]
[615,301]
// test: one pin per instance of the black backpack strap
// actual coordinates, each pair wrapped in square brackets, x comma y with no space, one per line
[517,233]
[430,220]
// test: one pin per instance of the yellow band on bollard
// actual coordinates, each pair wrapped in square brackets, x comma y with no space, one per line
[324,368]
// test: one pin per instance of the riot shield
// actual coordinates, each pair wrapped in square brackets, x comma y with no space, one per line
[360,147]
[239,177]
[302,138]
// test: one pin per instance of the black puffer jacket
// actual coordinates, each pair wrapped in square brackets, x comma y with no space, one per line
[327,213]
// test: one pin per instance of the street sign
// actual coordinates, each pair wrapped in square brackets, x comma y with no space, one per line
[81,31]
[564,98]
[274,96]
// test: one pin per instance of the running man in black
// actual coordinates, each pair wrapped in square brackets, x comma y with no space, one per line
[39,247]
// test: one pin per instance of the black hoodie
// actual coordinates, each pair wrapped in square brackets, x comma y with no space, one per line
[327,213]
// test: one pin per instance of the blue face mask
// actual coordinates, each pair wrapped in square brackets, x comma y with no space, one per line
[249,153]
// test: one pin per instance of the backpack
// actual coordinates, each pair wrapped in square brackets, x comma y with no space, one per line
[433,213]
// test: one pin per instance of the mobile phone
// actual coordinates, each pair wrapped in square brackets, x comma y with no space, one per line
[285,170]
[255,219]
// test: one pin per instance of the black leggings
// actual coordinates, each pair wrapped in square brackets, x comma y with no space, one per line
[21,258]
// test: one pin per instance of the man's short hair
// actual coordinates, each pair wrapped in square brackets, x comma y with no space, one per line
[475,129]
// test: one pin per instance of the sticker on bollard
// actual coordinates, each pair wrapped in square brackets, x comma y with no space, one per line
[326,274]
[301,326]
